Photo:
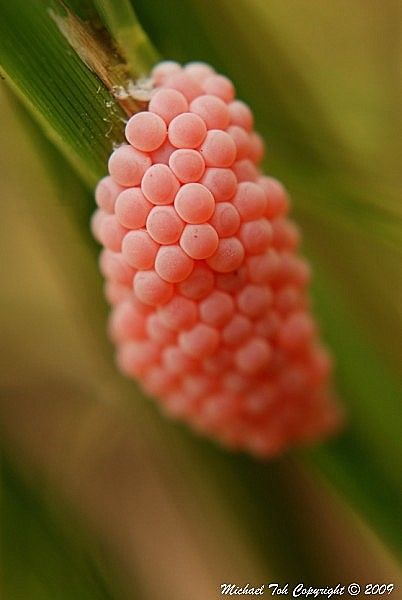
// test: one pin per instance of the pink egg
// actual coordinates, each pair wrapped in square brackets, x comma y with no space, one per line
[168,104]
[136,358]
[172,264]
[253,300]
[199,241]
[187,165]
[256,236]
[158,381]
[263,268]
[194,203]
[146,131]
[163,70]
[253,356]
[199,70]
[237,330]
[198,385]
[164,224]
[111,233]
[268,325]
[242,140]
[320,365]
[152,289]
[187,131]
[126,323]
[257,147]
[199,283]
[96,224]
[218,149]
[219,85]
[177,362]
[199,342]
[128,165]
[285,234]
[212,110]
[113,266]
[236,383]
[132,208]
[249,200]
[163,153]
[140,307]
[294,269]
[226,219]
[289,298]
[232,281]
[217,308]
[178,405]
[158,332]
[277,199]
[116,292]
[159,185]
[245,170]
[296,331]
[106,193]
[184,83]
[179,313]
[228,256]
[221,182]
[139,249]
[241,115]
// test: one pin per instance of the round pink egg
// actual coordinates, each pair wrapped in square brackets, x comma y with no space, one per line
[132,208]
[139,249]
[152,289]
[241,115]
[172,264]
[179,313]
[228,256]
[249,200]
[194,203]
[199,241]
[146,131]
[212,110]
[219,85]
[187,130]
[256,236]
[164,224]
[218,149]
[226,219]
[199,283]
[106,193]
[159,185]
[128,165]
[221,182]
[167,104]
[199,342]
[184,83]
[188,165]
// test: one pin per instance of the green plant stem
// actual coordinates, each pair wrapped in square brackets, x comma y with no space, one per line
[132,41]
[61,70]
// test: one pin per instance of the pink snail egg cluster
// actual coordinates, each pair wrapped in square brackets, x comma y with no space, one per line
[209,304]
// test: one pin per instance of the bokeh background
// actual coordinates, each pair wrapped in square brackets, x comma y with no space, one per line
[101,496]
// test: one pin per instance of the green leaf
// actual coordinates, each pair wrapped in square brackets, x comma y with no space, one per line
[126,30]
[71,102]
[364,462]
[39,560]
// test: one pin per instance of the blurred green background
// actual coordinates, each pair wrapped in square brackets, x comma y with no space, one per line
[102,497]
